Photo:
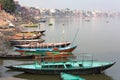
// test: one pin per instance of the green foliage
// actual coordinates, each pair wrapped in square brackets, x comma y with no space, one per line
[8,5]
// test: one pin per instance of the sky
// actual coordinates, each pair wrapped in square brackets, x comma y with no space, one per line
[109,5]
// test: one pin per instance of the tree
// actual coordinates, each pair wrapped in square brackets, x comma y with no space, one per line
[8,5]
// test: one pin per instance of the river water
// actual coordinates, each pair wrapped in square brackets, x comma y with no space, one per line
[99,37]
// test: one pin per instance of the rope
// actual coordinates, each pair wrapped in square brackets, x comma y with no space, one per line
[75,36]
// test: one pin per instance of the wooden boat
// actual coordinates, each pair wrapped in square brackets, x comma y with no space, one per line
[24,36]
[54,55]
[58,55]
[66,76]
[33,31]
[21,42]
[10,56]
[45,45]
[71,67]
[45,49]
[31,25]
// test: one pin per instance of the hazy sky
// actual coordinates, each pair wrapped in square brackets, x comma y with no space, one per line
[112,5]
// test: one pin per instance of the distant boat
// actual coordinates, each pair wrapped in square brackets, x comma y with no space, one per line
[107,21]
[50,24]
[70,67]
[42,20]
[66,76]
[87,20]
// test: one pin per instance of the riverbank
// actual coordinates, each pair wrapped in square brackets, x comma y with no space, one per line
[6,30]
[5,18]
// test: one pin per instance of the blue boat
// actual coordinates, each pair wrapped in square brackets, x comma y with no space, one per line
[42,20]
[43,50]
[66,76]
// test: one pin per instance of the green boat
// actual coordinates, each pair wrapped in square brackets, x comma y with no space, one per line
[66,76]
[50,24]
[70,67]
[31,25]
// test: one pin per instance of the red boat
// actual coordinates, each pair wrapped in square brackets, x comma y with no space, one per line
[44,50]
[44,45]
[25,36]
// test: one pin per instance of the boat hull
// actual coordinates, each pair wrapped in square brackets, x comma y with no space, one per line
[21,42]
[34,31]
[25,36]
[94,70]
[58,56]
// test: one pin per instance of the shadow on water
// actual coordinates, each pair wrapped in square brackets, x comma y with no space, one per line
[38,77]
[57,77]
[101,76]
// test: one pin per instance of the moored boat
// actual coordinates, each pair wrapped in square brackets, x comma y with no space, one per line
[10,56]
[45,49]
[33,31]
[54,55]
[21,42]
[70,67]
[30,25]
[7,55]
[24,36]
[66,76]
[44,45]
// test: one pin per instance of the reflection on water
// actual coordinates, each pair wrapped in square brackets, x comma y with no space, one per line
[1,62]
[39,77]
[57,77]
[97,77]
